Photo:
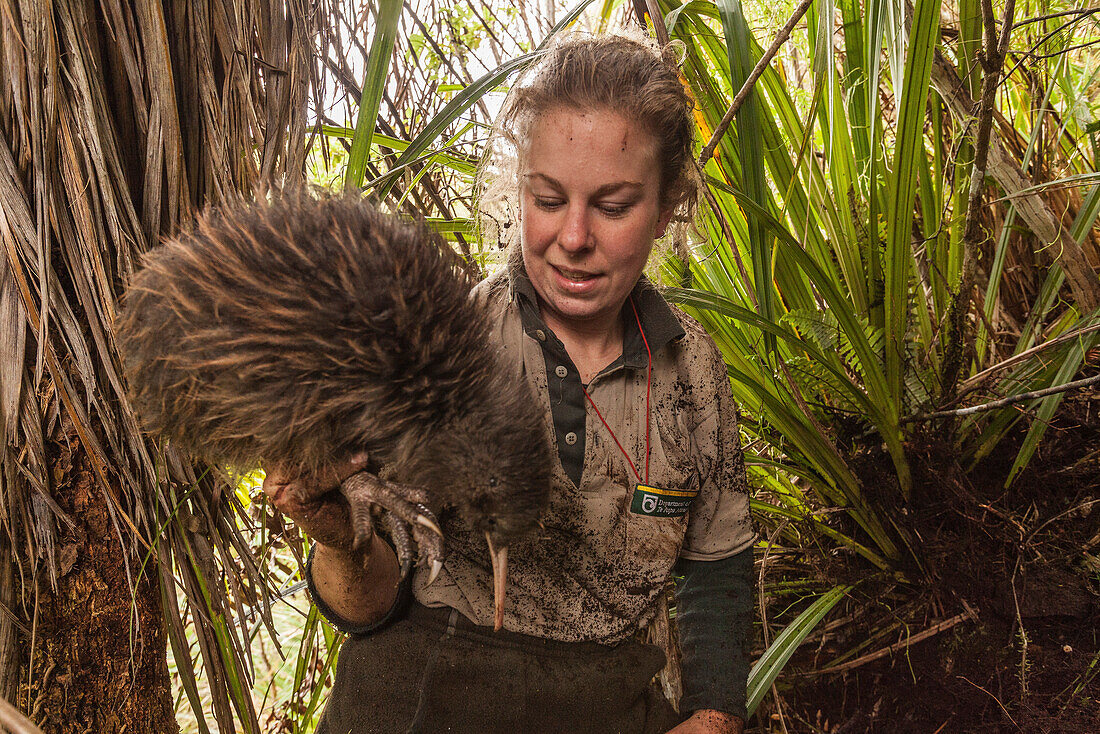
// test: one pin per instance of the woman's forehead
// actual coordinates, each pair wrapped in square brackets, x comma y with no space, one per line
[597,147]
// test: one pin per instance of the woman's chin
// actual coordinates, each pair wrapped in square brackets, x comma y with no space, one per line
[576,310]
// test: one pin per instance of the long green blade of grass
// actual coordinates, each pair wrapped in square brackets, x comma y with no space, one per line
[908,154]
[454,162]
[1046,407]
[751,155]
[771,663]
[374,84]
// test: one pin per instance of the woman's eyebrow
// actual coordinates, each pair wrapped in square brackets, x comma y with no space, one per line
[610,188]
[619,186]
[544,178]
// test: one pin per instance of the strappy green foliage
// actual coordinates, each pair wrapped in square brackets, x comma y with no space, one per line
[828,289]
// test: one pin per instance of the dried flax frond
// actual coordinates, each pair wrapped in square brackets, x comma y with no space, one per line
[120,120]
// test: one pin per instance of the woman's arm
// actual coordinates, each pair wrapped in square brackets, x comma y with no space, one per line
[354,589]
[710,722]
[715,598]
[358,590]
[714,619]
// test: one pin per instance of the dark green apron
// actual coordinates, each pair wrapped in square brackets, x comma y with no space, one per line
[435,671]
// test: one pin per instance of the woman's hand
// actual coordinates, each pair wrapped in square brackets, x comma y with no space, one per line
[709,721]
[358,586]
[314,503]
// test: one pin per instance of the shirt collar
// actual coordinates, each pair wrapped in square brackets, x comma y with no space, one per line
[657,318]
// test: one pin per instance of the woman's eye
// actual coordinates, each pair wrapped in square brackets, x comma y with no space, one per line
[614,210]
[549,204]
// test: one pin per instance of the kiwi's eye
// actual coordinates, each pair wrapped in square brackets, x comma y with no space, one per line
[493,482]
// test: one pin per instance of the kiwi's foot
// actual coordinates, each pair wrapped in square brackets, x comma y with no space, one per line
[411,524]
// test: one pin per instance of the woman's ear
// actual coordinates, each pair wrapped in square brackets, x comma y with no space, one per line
[662,222]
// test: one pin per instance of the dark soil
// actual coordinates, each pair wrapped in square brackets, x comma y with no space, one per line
[1021,567]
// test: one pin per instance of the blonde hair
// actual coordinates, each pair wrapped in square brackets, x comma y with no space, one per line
[629,76]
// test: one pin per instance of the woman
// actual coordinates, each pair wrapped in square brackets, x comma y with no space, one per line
[639,411]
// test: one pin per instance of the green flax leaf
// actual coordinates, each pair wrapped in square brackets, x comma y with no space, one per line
[374,84]
[773,660]
[739,52]
[907,156]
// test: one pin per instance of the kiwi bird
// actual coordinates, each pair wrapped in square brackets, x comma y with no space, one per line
[305,331]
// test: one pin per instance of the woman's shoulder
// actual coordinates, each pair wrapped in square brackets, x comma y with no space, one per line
[696,344]
[492,292]
[693,330]
[699,369]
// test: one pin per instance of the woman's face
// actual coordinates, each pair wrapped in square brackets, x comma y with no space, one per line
[589,212]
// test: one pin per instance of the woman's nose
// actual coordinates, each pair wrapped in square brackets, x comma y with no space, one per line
[575,234]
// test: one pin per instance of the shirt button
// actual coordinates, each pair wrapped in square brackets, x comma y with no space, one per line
[560,371]
[570,438]
[540,335]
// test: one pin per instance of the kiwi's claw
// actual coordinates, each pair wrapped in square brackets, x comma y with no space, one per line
[411,524]
[402,542]
[427,519]
[429,542]
[437,566]
[362,524]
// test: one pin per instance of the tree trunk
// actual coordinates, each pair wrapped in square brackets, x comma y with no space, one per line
[98,663]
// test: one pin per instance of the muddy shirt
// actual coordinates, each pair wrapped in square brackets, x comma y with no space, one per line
[596,568]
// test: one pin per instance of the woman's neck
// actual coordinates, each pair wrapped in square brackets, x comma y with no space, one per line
[592,345]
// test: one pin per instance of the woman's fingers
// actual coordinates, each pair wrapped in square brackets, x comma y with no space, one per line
[327,520]
[353,465]
[316,505]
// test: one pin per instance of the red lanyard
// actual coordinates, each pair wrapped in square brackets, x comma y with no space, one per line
[648,384]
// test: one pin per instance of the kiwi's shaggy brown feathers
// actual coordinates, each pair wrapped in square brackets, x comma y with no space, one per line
[304,331]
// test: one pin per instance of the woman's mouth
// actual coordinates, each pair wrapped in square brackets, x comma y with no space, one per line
[577,275]
[577,281]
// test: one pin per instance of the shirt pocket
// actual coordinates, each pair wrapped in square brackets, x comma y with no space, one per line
[652,541]
[657,514]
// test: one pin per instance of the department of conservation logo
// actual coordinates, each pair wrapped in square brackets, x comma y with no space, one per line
[658,502]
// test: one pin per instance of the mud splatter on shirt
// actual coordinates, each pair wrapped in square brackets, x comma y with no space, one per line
[596,569]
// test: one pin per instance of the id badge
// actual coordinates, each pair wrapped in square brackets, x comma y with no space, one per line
[657,502]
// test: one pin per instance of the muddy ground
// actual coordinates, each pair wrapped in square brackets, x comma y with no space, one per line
[1009,596]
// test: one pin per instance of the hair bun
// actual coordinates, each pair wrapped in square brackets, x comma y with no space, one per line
[675,53]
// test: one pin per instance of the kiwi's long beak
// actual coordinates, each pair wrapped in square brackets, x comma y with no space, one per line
[499,557]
